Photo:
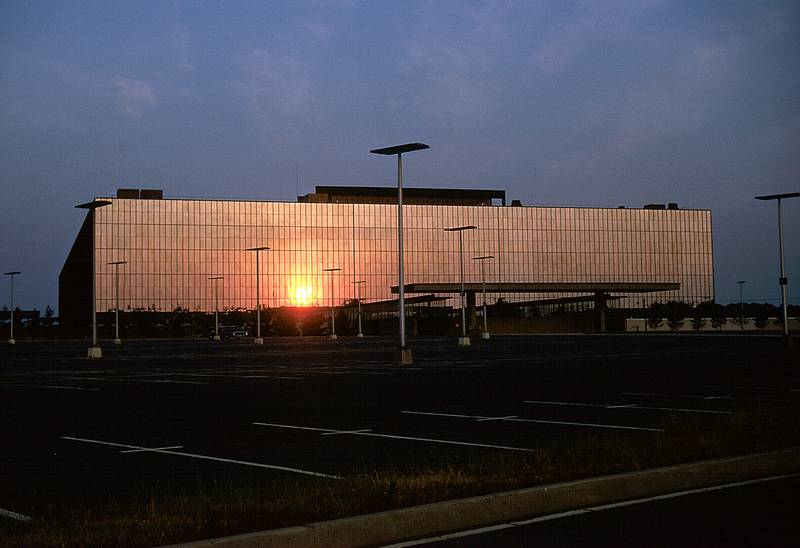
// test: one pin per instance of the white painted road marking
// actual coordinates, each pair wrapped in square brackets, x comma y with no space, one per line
[236,376]
[152,449]
[14,515]
[661,395]
[130,380]
[507,417]
[517,419]
[52,387]
[394,437]
[743,387]
[203,457]
[347,432]
[702,397]
[581,511]
[632,406]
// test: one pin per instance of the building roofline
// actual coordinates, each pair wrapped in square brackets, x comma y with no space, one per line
[405,190]
[417,192]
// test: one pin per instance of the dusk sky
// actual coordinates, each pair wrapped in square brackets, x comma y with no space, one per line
[591,103]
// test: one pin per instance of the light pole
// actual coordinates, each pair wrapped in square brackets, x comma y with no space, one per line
[406,358]
[116,264]
[783,281]
[258,339]
[333,304]
[483,283]
[94,351]
[464,340]
[11,334]
[358,300]
[216,306]
[741,304]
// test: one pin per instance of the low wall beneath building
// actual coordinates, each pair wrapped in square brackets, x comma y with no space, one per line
[709,324]
[519,326]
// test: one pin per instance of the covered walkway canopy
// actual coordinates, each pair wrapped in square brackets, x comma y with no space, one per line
[600,290]
[543,287]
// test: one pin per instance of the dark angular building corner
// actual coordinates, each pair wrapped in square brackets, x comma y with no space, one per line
[74,289]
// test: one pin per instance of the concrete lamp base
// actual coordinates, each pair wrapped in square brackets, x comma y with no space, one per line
[334,337]
[463,341]
[258,340]
[94,353]
[117,341]
[360,335]
[486,335]
[12,341]
[215,338]
[404,356]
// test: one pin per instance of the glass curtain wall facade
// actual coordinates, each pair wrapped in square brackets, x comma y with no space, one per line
[172,247]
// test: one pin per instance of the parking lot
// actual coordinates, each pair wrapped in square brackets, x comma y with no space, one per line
[157,417]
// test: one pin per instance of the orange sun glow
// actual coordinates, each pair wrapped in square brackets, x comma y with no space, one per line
[303,295]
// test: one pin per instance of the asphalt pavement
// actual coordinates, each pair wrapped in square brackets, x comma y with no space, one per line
[173,413]
[753,514]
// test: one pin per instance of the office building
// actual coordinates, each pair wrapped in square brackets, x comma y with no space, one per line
[618,257]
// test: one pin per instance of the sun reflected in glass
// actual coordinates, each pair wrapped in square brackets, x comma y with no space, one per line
[303,295]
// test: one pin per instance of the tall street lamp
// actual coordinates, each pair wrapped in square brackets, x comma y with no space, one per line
[741,304]
[11,334]
[782,280]
[258,339]
[116,264]
[94,351]
[358,300]
[333,304]
[483,283]
[464,340]
[216,306]
[406,358]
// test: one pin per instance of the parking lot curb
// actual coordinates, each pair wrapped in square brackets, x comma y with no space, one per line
[437,518]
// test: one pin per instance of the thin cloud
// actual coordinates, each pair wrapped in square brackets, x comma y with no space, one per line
[454,62]
[273,82]
[134,95]
[321,32]
[181,42]
[595,20]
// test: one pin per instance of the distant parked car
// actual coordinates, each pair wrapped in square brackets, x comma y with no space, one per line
[230,332]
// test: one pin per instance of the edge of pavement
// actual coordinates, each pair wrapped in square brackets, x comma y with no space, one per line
[472,512]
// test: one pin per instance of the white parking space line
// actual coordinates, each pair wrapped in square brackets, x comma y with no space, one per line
[47,373]
[152,449]
[486,419]
[118,379]
[743,387]
[703,397]
[226,376]
[347,432]
[394,437]
[567,403]
[130,376]
[539,421]
[580,511]
[52,387]
[14,515]
[203,457]
[665,395]
[633,406]
[259,370]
